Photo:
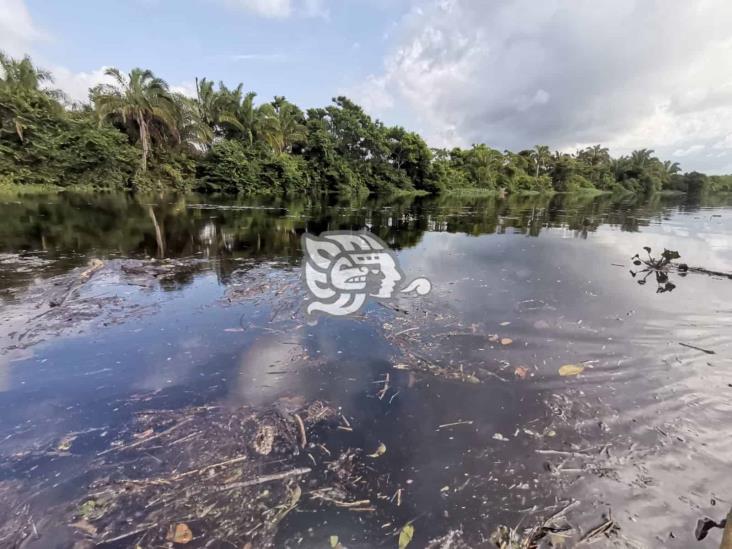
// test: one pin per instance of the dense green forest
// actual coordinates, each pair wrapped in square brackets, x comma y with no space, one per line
[137,134]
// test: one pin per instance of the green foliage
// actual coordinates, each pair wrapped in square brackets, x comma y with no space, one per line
[228,167]
[718,183]
[54,147]
[137,134]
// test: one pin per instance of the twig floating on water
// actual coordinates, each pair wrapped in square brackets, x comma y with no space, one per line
[562,511]
[128,534]
[563,453]
[445,425]
[144,440]
[208,467]
[301,428]
[605,528]
[707,351]
[264,478]
[708,272]
[383,391]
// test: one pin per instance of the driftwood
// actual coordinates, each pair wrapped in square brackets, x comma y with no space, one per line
[60,299]
[702,270]
[264,478]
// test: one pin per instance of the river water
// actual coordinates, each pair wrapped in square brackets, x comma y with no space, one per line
[478,426]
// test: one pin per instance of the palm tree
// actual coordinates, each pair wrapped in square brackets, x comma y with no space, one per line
[229,112]
[641,157]
[218,108]
[671,168]
[280,124]
[191,127]
[248,117]
[140,99]
[23,81]
[599,154]
[21,75]
[541,154]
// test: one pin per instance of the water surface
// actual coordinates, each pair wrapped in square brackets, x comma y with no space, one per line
[643,432]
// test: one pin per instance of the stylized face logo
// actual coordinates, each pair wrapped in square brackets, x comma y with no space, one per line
[342,269]
[374,272]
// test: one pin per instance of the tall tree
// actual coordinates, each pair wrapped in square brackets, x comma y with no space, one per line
[22,75]
[139,99]
[541,155]
[671,168]
[282,125]
[22,83]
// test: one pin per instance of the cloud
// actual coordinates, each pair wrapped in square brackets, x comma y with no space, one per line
[282,8]
[689,150]
[76,84]
[19,35]
[514,73]
[17,31]
[187,88]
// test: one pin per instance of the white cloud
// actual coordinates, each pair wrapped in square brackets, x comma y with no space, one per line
[76,84]
[187,88]
[17,31]
[513,73]
[18,35]
[724,143]
[282,8]
[373,96]
[689,150]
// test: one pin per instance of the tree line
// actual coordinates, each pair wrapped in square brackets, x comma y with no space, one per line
[135,133]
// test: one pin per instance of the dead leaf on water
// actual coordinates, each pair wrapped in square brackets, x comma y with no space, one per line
[144,434]
[85,526]
[406,535]
[571,370]
[380,451]
[522,372]
[506,341]
[180,533]
[65,443]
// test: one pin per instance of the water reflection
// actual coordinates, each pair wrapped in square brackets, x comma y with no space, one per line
[67,226]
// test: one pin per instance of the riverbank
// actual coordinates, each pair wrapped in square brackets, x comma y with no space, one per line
[221,141]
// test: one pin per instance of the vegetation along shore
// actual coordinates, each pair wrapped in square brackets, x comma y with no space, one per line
[138,134]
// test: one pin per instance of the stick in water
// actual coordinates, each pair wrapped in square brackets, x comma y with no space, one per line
[264,478]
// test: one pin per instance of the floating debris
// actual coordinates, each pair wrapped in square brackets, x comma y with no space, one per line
[380,451]
[571,370]
[405,535]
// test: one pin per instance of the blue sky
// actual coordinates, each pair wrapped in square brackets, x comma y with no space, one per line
[305,56]
[510,73]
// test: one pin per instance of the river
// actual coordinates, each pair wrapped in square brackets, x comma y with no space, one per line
[456,394]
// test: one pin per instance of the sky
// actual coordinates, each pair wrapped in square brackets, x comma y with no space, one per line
[510,73]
